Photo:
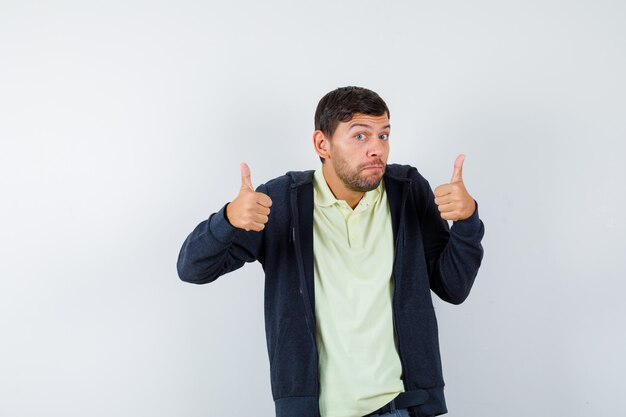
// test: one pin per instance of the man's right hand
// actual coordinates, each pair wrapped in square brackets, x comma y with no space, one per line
[249,210]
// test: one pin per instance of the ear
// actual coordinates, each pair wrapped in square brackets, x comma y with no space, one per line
[321,144]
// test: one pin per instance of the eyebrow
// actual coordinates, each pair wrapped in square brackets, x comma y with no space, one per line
[353,125]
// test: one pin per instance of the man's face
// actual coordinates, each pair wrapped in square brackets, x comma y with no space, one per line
[358,151]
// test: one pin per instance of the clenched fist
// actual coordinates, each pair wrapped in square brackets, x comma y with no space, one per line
[249,210]
[453,200]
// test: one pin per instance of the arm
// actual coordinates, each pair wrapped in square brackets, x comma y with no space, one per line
[453,255]
[228,238]
[214,248]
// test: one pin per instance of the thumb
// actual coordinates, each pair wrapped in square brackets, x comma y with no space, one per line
[246,181]
[457,174]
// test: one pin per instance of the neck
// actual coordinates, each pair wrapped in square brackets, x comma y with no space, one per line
[339,189]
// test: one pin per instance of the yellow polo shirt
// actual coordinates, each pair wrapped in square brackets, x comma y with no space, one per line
[353,252]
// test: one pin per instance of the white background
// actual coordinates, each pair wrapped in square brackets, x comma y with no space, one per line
[122,125]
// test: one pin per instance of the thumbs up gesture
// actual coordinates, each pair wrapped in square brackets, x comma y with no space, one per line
[249,210]
[452,199]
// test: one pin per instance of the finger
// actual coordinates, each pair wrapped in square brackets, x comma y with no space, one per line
[260,218]
[246,180]
[457,174]
[264,200]
[442,190]
[262,210]
[446,199]
[452,215]
[446,208]
[256,227]
[449,215]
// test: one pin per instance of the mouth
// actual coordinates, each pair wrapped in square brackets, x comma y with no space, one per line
[374,167]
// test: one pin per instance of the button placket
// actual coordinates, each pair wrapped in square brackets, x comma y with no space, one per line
[354,230]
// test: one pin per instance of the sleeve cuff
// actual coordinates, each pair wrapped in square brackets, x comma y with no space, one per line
[220,228]
[469,226]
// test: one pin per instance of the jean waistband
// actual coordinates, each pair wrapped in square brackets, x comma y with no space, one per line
[403,400]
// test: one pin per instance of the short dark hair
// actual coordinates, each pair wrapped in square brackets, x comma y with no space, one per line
[341,104]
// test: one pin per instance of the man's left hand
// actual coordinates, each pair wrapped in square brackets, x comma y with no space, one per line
[452,199]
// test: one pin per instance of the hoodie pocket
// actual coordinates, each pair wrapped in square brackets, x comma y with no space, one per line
[293,366]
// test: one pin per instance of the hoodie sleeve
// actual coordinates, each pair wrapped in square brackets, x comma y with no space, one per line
[453,254]
[215,247]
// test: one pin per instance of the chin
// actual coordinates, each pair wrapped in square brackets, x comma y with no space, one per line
[374,177]
[370,184]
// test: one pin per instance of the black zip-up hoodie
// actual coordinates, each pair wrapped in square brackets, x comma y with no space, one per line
[428,256]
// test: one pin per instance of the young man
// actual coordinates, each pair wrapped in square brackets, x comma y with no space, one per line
[351,253]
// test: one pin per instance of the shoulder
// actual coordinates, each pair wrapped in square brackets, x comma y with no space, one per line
[291,178]
[405,173]
[280,190]
[280,187]
[400,175]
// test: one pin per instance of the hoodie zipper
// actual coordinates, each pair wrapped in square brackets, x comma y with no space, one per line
[397,268]
[304,293]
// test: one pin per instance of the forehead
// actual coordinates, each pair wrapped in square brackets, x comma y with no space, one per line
[366,120]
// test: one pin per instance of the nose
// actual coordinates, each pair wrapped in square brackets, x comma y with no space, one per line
[377,148]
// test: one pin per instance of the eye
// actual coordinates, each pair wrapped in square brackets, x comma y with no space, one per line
[360,136]
[384,136]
